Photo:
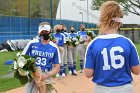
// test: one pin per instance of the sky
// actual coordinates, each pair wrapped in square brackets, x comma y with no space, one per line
[76,10]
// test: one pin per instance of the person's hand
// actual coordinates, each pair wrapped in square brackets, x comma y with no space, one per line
[45,76]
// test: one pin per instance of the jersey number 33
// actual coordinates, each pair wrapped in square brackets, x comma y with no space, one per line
[113,58]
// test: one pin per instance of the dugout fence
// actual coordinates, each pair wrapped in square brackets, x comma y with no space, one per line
[132,33]
[12,27]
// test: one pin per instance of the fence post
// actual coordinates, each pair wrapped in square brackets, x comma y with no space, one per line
[133,37]
[51,14]
[29,17]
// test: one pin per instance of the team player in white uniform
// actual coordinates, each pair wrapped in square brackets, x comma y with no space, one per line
[110,57]
[81,48]
[47,55]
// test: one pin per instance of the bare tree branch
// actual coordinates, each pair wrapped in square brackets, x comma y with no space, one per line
[134,4]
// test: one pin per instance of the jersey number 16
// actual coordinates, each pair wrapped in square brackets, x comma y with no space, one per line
[113,58]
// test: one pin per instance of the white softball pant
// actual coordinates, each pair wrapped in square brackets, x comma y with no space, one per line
[128,88]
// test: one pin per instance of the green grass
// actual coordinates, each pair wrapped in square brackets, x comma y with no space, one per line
[5,69]
[11,83]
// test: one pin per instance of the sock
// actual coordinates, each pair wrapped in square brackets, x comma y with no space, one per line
[61,70]
[81,64]
[64,68]
[69,66]
[74,65]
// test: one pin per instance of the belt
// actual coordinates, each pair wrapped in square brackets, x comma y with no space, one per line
[45,69]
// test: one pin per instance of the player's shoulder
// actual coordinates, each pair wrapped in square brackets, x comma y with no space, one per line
[75,34]
[53,45]
[34,41]
[62,34]
[110,36]
[78,32]
[119,37]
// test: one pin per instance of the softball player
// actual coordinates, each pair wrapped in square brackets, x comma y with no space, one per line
[111,57]
[72,52]
[65,58]
[60,43]
[81,48]
[47,54]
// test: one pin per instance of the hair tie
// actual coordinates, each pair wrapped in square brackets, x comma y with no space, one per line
[117,19]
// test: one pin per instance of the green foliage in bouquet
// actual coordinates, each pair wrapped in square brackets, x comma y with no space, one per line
[24,67]
[81,41]
[91,35]
[75,41]
[52,37]
[68,41]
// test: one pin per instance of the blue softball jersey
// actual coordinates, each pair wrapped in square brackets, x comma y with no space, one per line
[73,35]
[111,57]
[47,54]
[65,34]
[59,38]
[82,34]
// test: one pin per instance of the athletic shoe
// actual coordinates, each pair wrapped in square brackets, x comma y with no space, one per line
[63,75]
[70,72]
[81,71]
[75,72]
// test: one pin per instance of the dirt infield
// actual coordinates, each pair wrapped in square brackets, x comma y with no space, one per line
[76,84]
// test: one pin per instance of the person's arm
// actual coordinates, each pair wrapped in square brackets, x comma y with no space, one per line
[89,64]
[52,72]
[61,42]
[134,61]
[135,69]
[56,61]
[88,72]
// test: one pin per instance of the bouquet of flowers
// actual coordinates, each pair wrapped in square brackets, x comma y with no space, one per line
[68,41]
[23,67]
[43,85]
[25,71]
[74,41]
[90,34]
[52,38]
[81,40]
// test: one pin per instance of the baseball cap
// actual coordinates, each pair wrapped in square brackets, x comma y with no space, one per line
[44,27]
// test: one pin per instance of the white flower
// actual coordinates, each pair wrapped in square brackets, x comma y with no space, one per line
[15,65]
[22,72]
[76,43]
[18,54]
[21,61]
[74,39]
[67,39]
[81,40]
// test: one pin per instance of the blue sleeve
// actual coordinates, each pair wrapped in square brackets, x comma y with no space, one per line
[89,58]
[56,59]
[77,33]
[134,58]
[61,43]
